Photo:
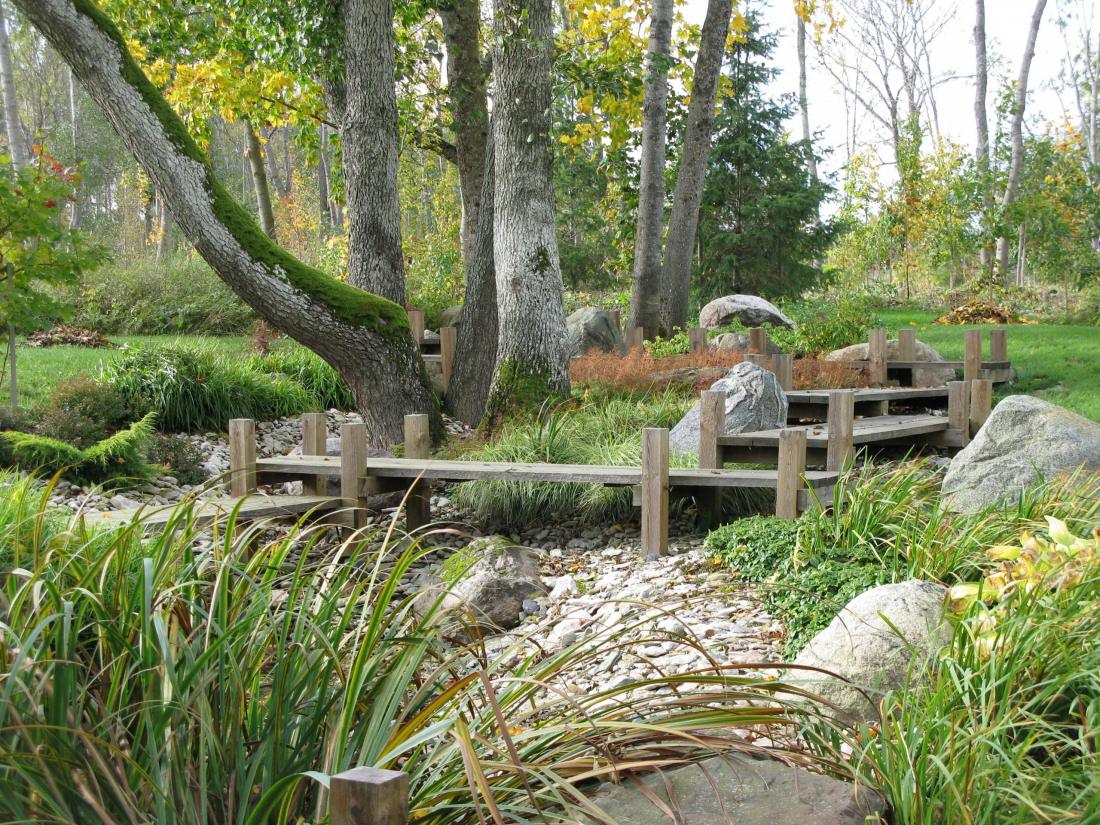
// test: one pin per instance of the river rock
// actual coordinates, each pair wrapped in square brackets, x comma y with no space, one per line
[754,401]
[591,328]
[748,309]
[495,586]
[1023,440]
[930,376]
[738,788]
[881,638]
[450,317]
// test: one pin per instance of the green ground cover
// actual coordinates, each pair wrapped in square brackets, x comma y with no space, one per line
[43,368]
[1056,362]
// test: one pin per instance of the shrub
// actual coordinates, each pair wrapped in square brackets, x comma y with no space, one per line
[179,456]
[121,455]
[197,391]
[821,326]
[143,297]
[755,547]
[81,412]
[677,344]
[327,390]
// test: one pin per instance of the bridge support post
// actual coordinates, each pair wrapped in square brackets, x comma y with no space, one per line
[369,796]
[792,465]
[448,343]
[353,465]
[698,339]
[654,492]
[972,363]
[958,409]
[242,456]
[840,418]
[981,403]
[712,423]
[418,444]
[315,442]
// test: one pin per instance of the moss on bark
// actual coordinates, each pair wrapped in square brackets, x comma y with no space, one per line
[518,387]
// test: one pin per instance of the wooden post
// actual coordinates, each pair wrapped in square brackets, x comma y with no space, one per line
[353,464]
[448,343]
[757,358]
[654,492]
[981,403]
[615,319]
[958,408]
[907,344]
[783,367]
[998,345]
[841,417]
[792,464]
[758,341]
[369,796]
[315,442]
[698,339]
[712,423]
[876,356]
[972,364]
[635,339]
[416,324]
[242,456]
[418,444]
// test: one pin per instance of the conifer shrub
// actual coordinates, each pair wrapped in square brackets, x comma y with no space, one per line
[122,455]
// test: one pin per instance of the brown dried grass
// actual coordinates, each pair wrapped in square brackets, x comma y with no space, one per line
[638,370]
[819,374]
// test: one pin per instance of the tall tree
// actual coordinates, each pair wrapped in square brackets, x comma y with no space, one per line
[466,86]
[1016,128]
[255,154]
[365,337]
[802,11]
[17,148]
[981,119]
[532,359]
[645,297]
[684,220]
[369,139]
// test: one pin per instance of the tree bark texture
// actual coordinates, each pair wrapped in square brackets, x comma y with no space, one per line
[255,154]
[366,338]
[476,356]
[803,98]
[688,194]
[981,117]
[76,215]
[645,296]
[369,137]
[466,86]
[16,146]
[1016,129]
[531,354]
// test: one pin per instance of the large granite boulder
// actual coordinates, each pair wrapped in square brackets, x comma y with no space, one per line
[737,788]
[879,640]
[1023,440]
[930,376]
[486,583]
[748,309]
[591,328]
[450,317]
[739,342]
[754,401]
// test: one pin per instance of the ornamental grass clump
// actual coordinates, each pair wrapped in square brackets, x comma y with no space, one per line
[179,679]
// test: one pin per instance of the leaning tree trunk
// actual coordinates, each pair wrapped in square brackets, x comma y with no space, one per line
[532,361]
[368,134]
[645,296]
[476,356]
[693,163]
[1016,129]
[255,154]
[16,148]
[466,85]
[365,337]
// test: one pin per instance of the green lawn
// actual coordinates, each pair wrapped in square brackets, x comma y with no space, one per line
[1059,363]
[42,368]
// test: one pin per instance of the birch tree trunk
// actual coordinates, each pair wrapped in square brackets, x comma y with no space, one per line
[981,122]
[366,338]
[76,215]
[369,137]
[466,86]
[255,154]
[693,163]
[1016,129]
[16,147]
[803,99]
[532,360]
[645,297]
[476,356]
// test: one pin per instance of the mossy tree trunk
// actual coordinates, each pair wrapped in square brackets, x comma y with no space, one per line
[368,134]
[476,357]
[365,337]
[532,361]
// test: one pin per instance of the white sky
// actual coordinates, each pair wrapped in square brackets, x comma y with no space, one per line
[1006,31]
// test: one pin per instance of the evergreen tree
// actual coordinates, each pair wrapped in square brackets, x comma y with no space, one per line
[759,230]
